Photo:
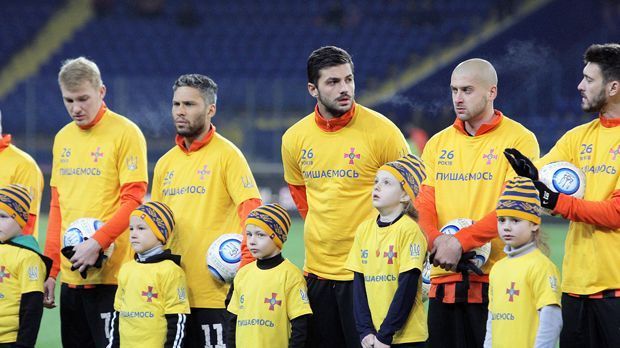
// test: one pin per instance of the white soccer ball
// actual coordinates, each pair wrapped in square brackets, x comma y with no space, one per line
[482,253]
[224,257]
[563,177]
[81,230]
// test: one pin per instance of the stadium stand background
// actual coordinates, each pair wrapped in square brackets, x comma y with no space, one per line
[256,51]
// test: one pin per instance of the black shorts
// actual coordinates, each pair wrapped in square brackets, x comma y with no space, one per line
[206,327]
[332,323]
[590,322]
[86,315]
[456,325]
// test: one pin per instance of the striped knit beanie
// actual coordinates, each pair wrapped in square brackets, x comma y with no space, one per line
[273,219]
[158,217]
[409,171]
[520,199]
[15,200]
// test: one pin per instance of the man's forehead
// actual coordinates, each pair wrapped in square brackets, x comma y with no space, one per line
[336,71]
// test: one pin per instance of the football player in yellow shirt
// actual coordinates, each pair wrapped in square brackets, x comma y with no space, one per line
[23,269]
[99,170]
[330,159]
[207,182]
[20,168]
[465,176]
[387,259]
[524,293]
[590,273]
[269,301]
[151,301]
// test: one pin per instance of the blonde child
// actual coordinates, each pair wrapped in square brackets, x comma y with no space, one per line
[524,294]
[387,259]
[23,270]
[151,301]
[269,299]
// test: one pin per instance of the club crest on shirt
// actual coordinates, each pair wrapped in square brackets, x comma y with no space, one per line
[132,163]
[614,152]
[414,250]
[182,294]
[247,182]
[304,296]
[202,173]
[489,157]
[351,156]
[553,282]
[4,273]
[97,154]
[33,272]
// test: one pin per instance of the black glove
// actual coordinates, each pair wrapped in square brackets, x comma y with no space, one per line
[465,265]
[521,164]
[68,252]
[548,198]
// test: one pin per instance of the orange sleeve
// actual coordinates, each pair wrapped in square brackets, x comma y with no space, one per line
[132,195]
[298,192]
[52,239]
[425,205]
[603,213]
[481,232]
[244,210]
[29,228]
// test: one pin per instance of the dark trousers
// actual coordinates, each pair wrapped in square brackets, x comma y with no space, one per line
[590,322]
[332,323]
[456,325]
[86,315]
[206,327]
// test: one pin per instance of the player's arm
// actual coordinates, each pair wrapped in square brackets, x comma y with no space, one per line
[401,305]
[30,313]
[294,177]
[175,330]
[52,247]
[176,306]
[115,336]
[86,253]
[428,221]
[298,193]
[394,145]
[602,213]
[30,176]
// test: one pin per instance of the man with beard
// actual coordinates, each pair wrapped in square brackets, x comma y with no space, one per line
[208,184]
[590,274]
[465,177]
[330,159]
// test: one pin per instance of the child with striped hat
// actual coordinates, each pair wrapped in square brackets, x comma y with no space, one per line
[387,259]
[151,301]
[524,293]
[23,270]
[269,299]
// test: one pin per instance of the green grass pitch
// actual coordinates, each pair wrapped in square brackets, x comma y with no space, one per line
[49,334]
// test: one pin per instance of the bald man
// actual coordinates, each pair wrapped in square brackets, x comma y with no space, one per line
[466,172]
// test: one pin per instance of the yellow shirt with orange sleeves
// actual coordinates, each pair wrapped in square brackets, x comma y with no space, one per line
[591,252]
[89,168]
[265,301]
[469,172]
[518,288]
[203,188]
[338,170]
[21,271]
[381,254]
[146,293]
[18,167]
